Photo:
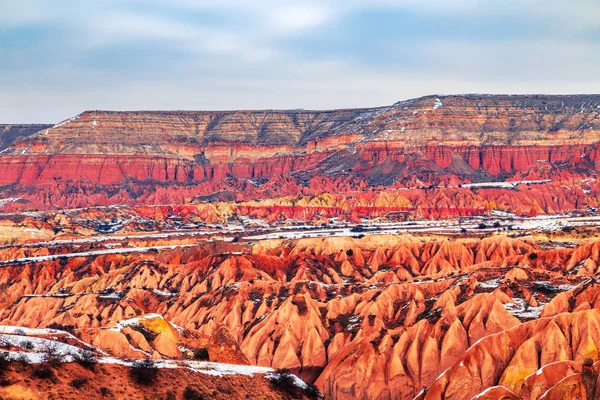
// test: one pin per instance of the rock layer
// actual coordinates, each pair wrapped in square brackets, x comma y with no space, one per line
[373,317]
[431,141]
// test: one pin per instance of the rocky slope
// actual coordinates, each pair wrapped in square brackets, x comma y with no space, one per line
[442,247]
[10,133]
[376,317]
[71,381]
[428,141]
[546,146]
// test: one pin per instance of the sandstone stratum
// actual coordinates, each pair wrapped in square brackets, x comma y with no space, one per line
[446,247]
[103,157]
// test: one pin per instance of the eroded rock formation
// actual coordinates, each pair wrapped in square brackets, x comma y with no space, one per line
[381,316]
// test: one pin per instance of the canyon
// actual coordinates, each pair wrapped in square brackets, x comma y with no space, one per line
[445,247]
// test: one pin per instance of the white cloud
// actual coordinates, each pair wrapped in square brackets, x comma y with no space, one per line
[16,13]
[120,27]
[252,64]
[298,17]
[313,86]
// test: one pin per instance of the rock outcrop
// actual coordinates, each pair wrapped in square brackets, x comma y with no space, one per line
[420,143]
[300,240]
[373,317]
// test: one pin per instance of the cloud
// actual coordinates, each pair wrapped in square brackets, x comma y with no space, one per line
[122,27]
[298,17]
[60,57]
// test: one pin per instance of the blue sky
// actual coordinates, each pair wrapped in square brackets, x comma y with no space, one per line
[60,57]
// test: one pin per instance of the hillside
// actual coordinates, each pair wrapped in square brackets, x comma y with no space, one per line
[103,158]
[9,133]
[446,247]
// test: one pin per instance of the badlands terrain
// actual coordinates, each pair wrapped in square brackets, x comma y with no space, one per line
[445,247]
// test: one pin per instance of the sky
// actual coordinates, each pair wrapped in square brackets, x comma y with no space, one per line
[61,57]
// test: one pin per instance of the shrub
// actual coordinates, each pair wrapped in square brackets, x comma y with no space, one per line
[104,391]
[43,371]
[170,395]
[255,294]
[201,354]
[4,362]
[86,359]
[52,355]
[283,380]
[192,394]
[482,225]
[148,334]
[59,327]
[27,345]
[79,382]
[22,359]
[144,371]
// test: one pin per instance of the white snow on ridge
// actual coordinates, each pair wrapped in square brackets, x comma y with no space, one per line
[103,238]
[66,121]
[162,293]
[438,103]
[16,336]
[133,321]
[480,395]
[26,333]
[520,309]
[490,284]
[562,287]
[507,184]
[91,253]
[39,344]
[16,330]
[203,367]
[4,202]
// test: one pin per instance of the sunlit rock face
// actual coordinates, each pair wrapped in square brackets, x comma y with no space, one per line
[370,317]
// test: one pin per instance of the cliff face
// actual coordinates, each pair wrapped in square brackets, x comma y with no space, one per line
[494,134]
[431,141]
[451,120]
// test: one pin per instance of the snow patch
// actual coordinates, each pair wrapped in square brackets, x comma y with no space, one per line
[91,253]
[511,184]
[519,308]
[299,382]
[161,293]
[66,121]
[4,202]
[491,284]
[133,321]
